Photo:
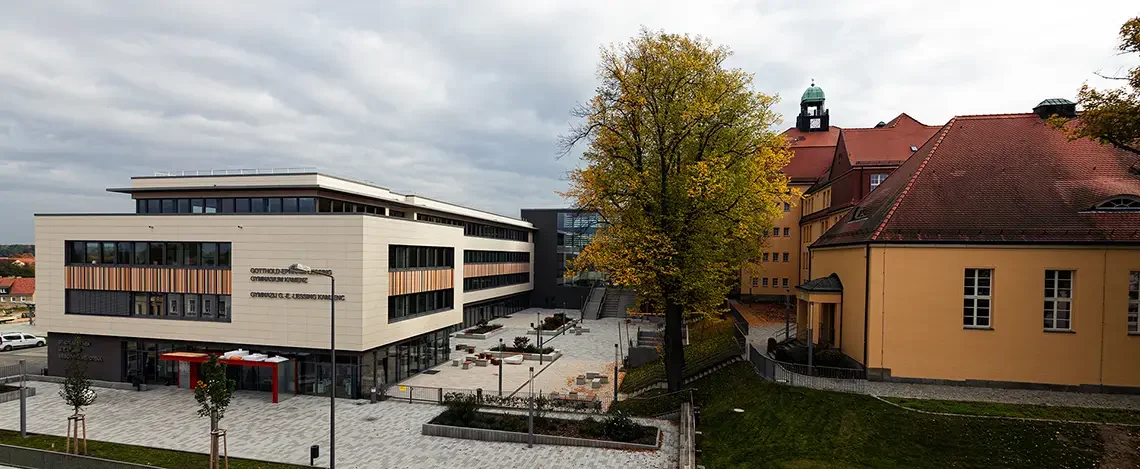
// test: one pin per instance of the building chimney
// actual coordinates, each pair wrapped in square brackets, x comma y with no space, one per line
[1056,106]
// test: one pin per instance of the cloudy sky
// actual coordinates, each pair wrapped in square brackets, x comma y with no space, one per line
[463,100]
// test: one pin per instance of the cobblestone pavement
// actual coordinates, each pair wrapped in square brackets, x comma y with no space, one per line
[590,352]
[1009,396]
[383,435]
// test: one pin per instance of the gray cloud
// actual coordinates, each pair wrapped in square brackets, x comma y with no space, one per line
[461,101]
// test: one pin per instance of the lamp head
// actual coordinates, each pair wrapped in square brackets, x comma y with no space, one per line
[301,267]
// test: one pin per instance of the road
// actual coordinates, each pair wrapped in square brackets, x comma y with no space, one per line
[36,356]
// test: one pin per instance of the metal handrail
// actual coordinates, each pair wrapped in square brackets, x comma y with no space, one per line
[231,172]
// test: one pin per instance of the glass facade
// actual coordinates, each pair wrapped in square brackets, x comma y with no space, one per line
[494,281]
[419,257]
[479,229]
[355,372]
[494,308]
[575,231]
[493,257]
[184,306]
[208,255]
[401,307]
[254,205]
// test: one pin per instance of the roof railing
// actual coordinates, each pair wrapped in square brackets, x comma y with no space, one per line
[233,172]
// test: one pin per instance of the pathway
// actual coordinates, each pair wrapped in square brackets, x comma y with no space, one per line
[386,434]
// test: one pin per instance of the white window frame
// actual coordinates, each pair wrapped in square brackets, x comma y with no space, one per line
[1052,307]
[881,179]
[973,295]
[1134,302]
[755,281]
[765,280]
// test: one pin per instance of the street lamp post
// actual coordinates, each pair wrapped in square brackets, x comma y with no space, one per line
[500,367]
[332,352]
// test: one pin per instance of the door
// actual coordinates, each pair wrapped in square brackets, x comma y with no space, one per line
[12,340]
[30,340]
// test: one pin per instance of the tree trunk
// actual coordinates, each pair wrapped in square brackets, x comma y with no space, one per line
[674,348]
[213,440]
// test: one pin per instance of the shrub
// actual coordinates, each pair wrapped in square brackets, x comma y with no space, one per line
[619,427]
[829,357]
[521,342]
[592,427]
[461,407]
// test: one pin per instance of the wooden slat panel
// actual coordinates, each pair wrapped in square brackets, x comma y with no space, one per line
[483,270]
[402,282]
[149,279]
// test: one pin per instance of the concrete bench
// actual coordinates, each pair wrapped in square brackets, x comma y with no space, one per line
[596,383]
[591,375]
[514,360]
[581,380]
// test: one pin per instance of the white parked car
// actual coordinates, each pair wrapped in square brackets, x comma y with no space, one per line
[11,340]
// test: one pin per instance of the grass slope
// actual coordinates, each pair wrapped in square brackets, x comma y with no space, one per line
[788,427]
[1022,410]
[136,454]
[710,340]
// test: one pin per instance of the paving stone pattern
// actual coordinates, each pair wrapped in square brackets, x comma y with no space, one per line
[590,352]
[383,435]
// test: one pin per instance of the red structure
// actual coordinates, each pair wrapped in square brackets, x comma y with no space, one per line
[192,361]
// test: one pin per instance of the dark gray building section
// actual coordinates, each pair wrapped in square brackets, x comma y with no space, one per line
[103,354]
[548,292]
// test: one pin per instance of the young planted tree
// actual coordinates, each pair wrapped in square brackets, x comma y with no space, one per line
[684,170]
[1112,115]
[213,391]
[76,390]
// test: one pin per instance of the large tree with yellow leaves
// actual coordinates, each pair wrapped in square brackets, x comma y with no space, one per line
[1112,115]
[683,168]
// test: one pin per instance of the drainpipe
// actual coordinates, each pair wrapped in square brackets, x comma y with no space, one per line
[866,304]
[1103,316]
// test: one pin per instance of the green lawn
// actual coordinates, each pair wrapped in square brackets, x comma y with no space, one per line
[137,454]
[1019,410]
[788,427]
[710,341]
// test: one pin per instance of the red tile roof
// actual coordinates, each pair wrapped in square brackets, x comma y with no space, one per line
[812,152]
[23,287]
[889,145]
[1007,178]
[7,281]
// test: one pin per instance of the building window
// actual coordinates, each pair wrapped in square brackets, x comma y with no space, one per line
[976,303]
[174,305]
[1058,300]
[786,257]
[493,257]
[784,282]
[1134,302]
[147,305]
[787,207]
[191,306]
[765,257]
[402,307]
[420,257]
[877,179]
[1126,203]
[148,253]
[765,281]
[787,232]
[494,281]
[775,282]
[765,232]
[755,282]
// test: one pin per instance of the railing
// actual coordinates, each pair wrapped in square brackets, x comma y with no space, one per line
[815,377]
[232,172]
[10,371]
[586,403]
[688,439]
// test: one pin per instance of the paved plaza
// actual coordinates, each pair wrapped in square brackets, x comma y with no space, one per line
[590,352]
[383,435]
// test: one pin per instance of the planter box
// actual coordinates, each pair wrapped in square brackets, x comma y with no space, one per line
[15,395]
[517,437]
[556,354]
[552,332]
[483,336]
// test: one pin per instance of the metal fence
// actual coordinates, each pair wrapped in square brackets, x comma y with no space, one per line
[520,400]
[815,377]
[10,371]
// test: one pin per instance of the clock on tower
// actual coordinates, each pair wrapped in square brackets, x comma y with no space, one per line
[813,116]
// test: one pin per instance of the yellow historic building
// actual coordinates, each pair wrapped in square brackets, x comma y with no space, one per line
[1001,253]
[833,169]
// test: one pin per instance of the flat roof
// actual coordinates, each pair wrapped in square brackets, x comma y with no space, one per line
[303,178]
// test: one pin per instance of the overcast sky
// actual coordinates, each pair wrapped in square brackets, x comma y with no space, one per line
[463,100]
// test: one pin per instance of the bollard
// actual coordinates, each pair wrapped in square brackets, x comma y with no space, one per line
[314,453]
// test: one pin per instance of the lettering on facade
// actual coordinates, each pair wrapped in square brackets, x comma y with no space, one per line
[293,296]
[268,278]
[272,271]
[65,353]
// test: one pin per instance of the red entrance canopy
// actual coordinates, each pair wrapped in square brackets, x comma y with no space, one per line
[196,358]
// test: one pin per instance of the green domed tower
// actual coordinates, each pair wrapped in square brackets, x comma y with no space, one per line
[813,116]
